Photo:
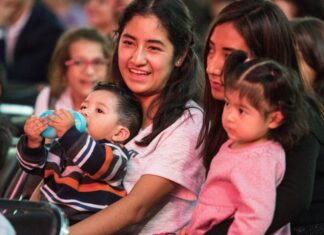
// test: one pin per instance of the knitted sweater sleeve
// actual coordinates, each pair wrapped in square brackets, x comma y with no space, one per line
[256,179]
[32,161]
[100,160]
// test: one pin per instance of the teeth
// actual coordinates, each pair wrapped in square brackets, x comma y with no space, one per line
[139,72]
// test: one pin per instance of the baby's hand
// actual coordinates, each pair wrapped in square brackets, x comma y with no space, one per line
[62,121]
[33,128]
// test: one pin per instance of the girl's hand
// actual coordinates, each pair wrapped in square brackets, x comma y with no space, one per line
[33,128]
[62,121]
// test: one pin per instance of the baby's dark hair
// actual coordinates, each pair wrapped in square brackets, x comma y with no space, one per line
[268,86]
[129,108]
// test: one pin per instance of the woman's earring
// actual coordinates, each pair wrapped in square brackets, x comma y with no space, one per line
[178,63]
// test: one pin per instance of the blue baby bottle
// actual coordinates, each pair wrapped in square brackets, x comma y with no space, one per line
[79,122]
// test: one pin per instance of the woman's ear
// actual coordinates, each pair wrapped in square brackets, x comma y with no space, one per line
[276,119]
[121,135]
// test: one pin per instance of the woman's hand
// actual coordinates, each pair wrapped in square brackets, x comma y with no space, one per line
[147,197]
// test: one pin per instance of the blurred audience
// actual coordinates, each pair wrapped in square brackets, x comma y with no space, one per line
[215,6]
[5,128]
[81,59]
[309,34]
[300,8]
[104,14]
[29,31]
[70,12]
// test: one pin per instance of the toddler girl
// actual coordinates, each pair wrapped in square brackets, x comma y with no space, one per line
[263,113]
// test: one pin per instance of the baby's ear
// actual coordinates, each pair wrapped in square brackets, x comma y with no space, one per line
[276,119]
[122,133]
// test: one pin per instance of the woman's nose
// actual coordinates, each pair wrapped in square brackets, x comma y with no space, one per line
[215,65]
[139,56]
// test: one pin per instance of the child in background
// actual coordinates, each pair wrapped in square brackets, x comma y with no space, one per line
[83,171]
[263,112]
[81,59]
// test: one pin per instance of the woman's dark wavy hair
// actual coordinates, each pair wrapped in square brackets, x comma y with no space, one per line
[309,35]
[184,82]
[270,87]
[267,33]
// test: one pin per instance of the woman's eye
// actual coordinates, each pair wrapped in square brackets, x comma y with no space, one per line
[82,107]
[153,48]
[127,42]
[210,49]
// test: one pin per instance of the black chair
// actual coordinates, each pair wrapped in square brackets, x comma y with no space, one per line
[14,182]
[34,218]
[8,170]
[16,114]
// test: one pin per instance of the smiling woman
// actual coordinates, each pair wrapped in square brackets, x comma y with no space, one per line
[145,61]
[80,60]
[156,61]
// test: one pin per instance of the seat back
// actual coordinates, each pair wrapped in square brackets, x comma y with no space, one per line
[8,170]
[34,218]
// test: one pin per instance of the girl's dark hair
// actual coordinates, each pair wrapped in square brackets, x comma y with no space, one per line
[184,83]
[309,35]
[129,108]
[267,33]
[270,87]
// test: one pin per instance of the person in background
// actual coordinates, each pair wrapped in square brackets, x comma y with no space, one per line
[70,12]
[263,104]
[28,33]
[104,14]
[300,8]
[81,59]
[215,6]
[155,59]
[261,29]
[83,172]
[6,129]
[309,35]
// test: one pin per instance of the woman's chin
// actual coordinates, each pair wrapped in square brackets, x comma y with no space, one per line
[218,95]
